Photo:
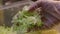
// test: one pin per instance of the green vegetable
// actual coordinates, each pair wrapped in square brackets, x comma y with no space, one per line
[26,20]
[7,30]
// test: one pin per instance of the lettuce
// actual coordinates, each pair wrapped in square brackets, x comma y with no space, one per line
[25,19]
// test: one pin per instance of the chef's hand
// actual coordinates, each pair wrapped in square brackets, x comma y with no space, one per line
[50,11]
[40,3]
[50,7]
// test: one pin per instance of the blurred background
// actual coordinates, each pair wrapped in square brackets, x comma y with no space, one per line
[9,8]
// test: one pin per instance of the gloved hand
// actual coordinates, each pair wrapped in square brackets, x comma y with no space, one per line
[50,12]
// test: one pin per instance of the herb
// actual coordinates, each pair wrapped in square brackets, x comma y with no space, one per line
[26,20]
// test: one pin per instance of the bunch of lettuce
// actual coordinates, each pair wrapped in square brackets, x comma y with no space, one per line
[25,19]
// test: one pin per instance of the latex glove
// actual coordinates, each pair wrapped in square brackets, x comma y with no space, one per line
[50,12]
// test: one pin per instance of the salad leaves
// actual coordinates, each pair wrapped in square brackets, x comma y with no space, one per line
[26,19]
